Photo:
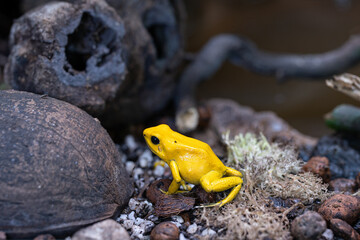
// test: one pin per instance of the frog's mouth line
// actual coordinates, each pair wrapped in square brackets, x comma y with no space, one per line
[151,149]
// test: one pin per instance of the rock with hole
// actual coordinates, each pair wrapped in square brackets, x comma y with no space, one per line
[118,65]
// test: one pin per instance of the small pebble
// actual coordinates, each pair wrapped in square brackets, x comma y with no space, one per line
[147,225]
[139,221]
[342,185]
[137,231]
[192,228]
[328,234]
[208,231]
[130,166]
[128,224]
[145,159]
[140,183]
[176,223]
[177,218]
[123,158]
[143,163]
[132,216]
[153,218]
[144,208]
[159,171]
[308,226]
[122,217]
[165,231]
[319,166]
[130,143]
[137,172]
[182,237]
[133,204]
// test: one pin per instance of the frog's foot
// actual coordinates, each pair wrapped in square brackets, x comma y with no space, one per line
[214,182]
[164,192]
[159,163]
[186,187]
[182,191]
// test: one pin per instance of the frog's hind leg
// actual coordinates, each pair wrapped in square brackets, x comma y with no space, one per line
[214,182]
[232,172]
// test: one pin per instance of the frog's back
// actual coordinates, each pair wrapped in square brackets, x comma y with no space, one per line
[195,159]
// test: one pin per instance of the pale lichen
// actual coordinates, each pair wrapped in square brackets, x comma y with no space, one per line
[269,171]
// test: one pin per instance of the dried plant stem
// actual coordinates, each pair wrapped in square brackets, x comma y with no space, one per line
[242,52]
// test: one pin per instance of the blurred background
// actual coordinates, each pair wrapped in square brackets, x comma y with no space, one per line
[281,26]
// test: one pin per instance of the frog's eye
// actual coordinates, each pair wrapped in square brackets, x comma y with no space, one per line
[155,140]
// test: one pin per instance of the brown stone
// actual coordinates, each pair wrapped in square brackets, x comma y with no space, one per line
[227,115]
[45,237]
[342,185]
[165,231]
[60,169]
[319,166]
[341,206]
[343,229]
[120,66]
[308,226]
[107,229]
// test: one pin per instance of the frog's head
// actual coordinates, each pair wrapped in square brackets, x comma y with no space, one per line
[158,139]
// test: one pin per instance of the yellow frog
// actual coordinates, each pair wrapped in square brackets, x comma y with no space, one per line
[192,161]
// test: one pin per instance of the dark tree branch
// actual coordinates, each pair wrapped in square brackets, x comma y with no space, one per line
[244,53]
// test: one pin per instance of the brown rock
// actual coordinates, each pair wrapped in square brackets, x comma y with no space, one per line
[165,231]
[343,229]
[60,169]
[227,115]
[121,64]
[45,237]
[341,206]
[107,229]
[342,185]
[319,166]
[308,226]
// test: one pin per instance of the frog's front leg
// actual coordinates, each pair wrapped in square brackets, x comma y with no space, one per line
[177,181]
[215,182]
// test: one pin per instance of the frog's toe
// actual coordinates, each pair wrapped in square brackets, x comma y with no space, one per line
[164,192]
[218,204]
[187,187]
[182,191]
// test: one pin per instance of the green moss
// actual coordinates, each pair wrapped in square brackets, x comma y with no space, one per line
[269,171]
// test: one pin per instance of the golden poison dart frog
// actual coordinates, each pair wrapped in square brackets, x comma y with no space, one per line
[192,161]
